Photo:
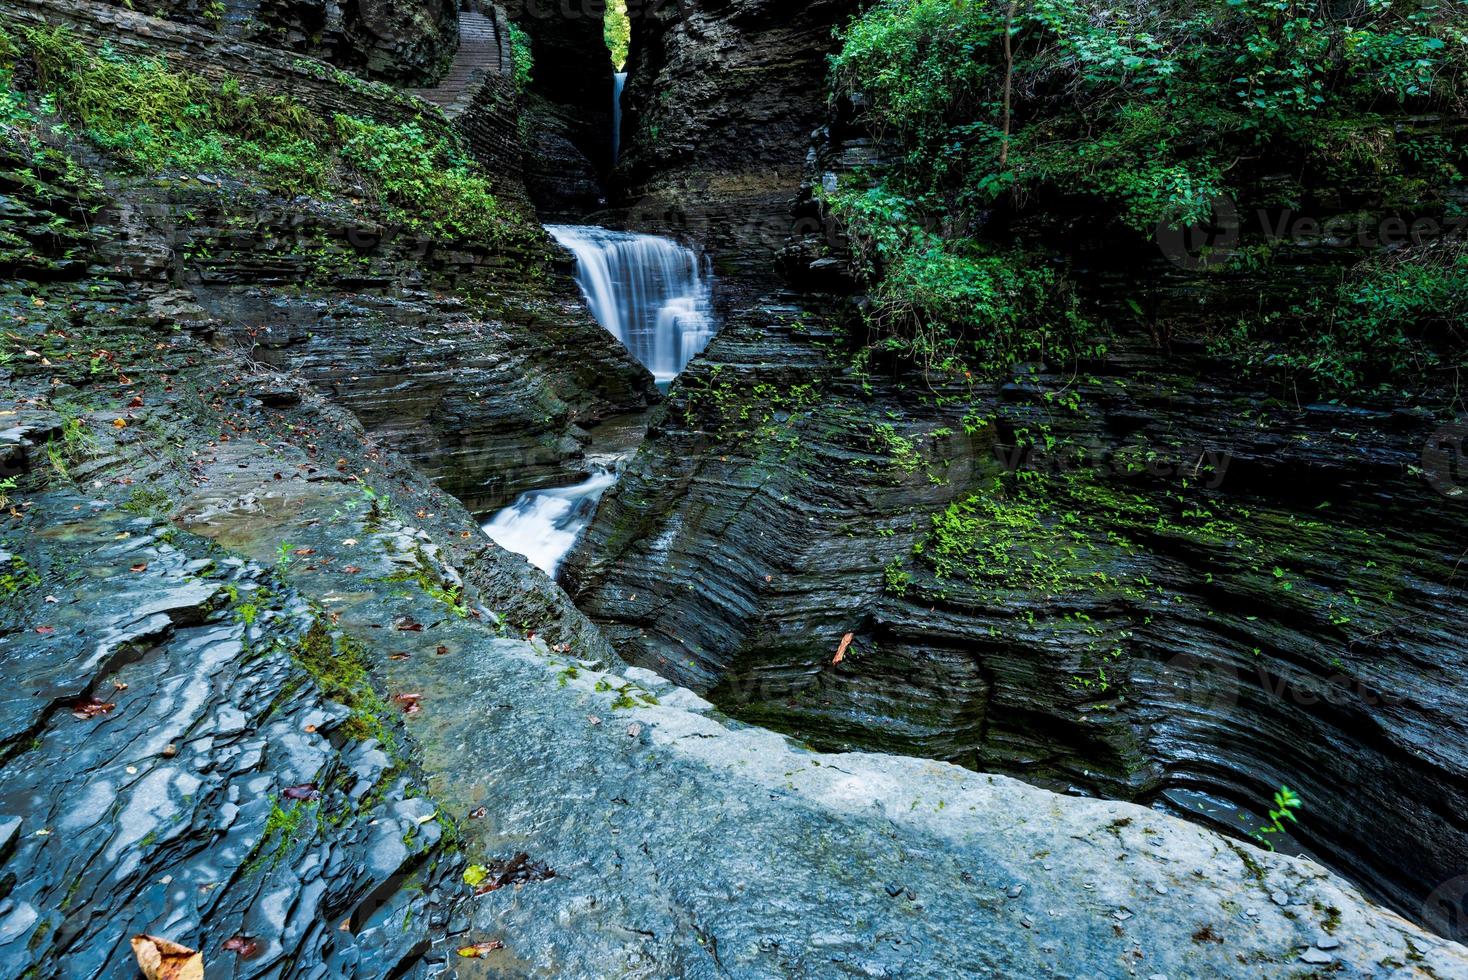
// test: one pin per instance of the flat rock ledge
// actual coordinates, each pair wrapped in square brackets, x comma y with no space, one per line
[181,758]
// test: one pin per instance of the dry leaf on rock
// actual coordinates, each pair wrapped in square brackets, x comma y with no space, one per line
[164,959]
[841,650]
[480,949]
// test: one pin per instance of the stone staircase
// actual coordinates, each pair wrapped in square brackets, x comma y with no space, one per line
[483,50]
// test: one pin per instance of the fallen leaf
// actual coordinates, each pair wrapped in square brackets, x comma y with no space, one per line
[137,402]
[442,650]
[593,719]
[349,542]
[242,945]
[119,423]
[634,730]
[398,656]
[410,627]
[479,813]
[305,791]
[163,959]
[52,598]
[351,569]
[45,630]
[841,650]
[408,702]
[304,551]
[479,950]
[119,686]
[141,566]
[86,708]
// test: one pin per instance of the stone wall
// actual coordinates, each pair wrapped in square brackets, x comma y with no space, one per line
[720,105]
[405,41]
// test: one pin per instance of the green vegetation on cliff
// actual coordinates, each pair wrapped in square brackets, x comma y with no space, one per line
[995,112]
[152,117]
[618,31]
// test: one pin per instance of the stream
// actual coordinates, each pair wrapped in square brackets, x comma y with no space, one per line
[653,295]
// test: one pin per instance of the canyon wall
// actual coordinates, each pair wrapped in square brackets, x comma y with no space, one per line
[1161,575]
[721,100]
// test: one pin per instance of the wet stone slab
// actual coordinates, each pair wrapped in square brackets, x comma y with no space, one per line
[170,769]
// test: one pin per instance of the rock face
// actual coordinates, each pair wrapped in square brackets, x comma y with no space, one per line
[1159,579]
[1125,628]
[408,41]
[452,354]
[568,107]
[270,693]
[721,100]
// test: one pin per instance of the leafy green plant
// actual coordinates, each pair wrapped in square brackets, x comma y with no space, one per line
[153,117]
[1285,805]
[524,56]
[1139,121]
[617,30]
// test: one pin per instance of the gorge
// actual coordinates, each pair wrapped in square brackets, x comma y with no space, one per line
[909,488]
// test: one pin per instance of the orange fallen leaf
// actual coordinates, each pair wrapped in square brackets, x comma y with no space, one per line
[141,566]
[163,959]
[119,423]
[479,950]
[841,650]
[244,946]
[87,708]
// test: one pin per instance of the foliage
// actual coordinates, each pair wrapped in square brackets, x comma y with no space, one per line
[339,668]
[1285,805]
[423,180]
[1386,323]
[524,56]
[153,117]
[618,32]
[1141,118]
[947,302]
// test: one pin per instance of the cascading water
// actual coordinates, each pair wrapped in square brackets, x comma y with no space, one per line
[619,84]
[544,524]
[652,294]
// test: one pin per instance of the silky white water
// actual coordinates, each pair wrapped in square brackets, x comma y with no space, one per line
[543,525]
[653,294]
[619,83]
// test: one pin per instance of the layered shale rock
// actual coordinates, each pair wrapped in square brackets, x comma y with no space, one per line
[409,41]
[453,352]
[568,107]
[721,100]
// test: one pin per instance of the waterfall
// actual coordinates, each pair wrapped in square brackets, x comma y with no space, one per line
[619,83]
[543,525]
[651,293]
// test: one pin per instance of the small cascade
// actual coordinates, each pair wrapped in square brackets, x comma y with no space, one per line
[619,84]
[653,294]
[544,524]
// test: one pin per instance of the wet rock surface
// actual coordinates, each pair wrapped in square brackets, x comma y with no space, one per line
[272,695]
[1185,605]
[170,768]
